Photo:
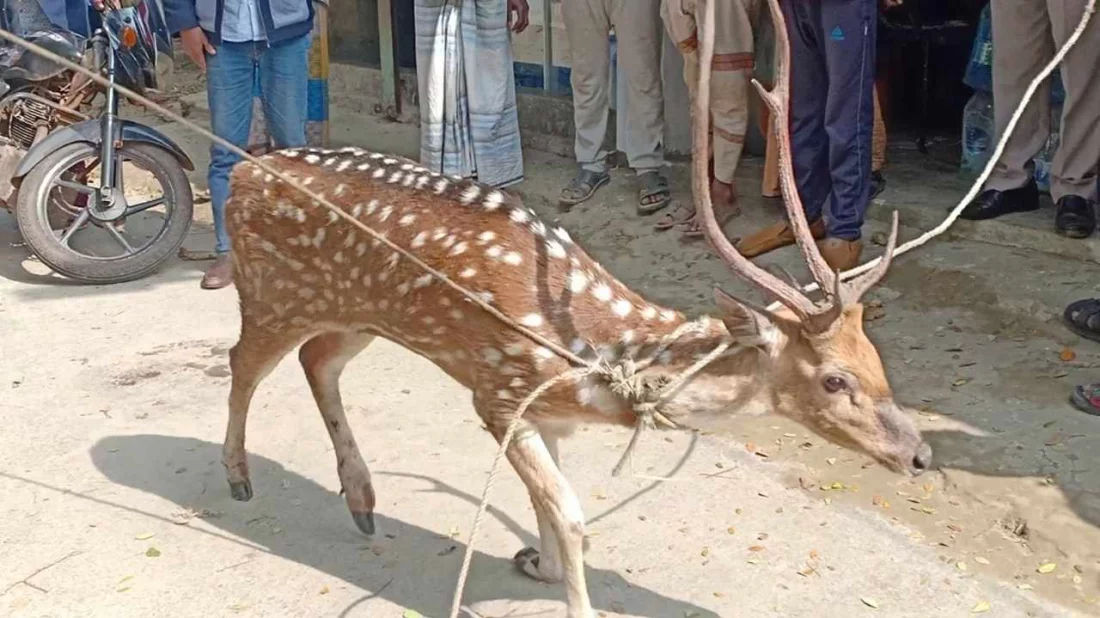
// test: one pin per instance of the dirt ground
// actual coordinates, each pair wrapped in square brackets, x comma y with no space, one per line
[115,501]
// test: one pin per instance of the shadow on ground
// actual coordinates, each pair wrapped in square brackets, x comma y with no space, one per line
[424,562]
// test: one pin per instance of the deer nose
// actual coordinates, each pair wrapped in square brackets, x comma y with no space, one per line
[923,459]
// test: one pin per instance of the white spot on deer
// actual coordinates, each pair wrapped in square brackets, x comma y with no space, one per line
[375,155]
[406,220]
[419,240]
[512,370]
[519,216]
[422,182]
[360,249]
[391,261]
[439,330]
[293,242]
[423,281]
[305,293]
[538,228]
[668,315]
[366,280]
[504,394]
[319,237]
[578,345]
[290,154]
[555,249]
[485,237]
[533,320]
[409,180]
[439,233]
[339,257]
[449,240]
[403,288]
[649,312]
[362,167]
[517,383]
[494,251]
[383,304]
[492,356]
[357,210]
[460,248]
[429,320]
[349,240]
[340,188]
[407,166]
[493,200]
[622,307]
[440,186]
[372,206]
[515,349]
[386,212]
[602,292]
[308,180]
[486,297]
[577,282]
[469,194]
[378,172]
[542,353]
[394,177]
[627,337]
[345,164]
[467,273]
[513,258]
[332,217]
[457,315]
[563,236]
[312,159]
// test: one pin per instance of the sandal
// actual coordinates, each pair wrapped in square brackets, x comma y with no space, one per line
[583,187]
[680,215]
[654,194]
[1083,318]
[1087,398]
[684,216]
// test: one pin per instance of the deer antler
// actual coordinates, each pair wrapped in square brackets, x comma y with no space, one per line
[815,318]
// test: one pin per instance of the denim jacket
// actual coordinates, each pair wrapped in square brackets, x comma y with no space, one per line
[282,19]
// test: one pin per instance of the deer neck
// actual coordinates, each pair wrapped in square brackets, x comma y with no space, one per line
[734,383]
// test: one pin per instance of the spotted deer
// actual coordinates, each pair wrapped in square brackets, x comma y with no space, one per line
[307,277]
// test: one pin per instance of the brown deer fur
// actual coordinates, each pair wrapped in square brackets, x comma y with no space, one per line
[305,276]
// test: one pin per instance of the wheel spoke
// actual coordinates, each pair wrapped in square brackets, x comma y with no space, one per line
[75,186]
[74,226]
[136,208]
[119,237]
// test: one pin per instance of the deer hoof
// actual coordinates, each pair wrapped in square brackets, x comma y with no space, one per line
[364,521]
[241,490]
[527,561]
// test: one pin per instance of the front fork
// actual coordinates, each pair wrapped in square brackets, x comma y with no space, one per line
[109,127]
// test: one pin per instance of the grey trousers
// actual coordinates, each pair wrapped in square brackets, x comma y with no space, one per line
[640,39]
[1026,34]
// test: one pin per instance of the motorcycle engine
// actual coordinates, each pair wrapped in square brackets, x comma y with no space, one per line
[26,116]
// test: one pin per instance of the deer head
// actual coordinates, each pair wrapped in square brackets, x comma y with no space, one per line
[824,373]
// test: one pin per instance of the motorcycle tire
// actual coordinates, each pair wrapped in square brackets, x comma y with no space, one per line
[46,245]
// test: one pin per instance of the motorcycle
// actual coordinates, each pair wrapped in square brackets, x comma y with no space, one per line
[66,163]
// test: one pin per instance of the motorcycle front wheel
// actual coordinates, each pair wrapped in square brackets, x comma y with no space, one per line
[133,242]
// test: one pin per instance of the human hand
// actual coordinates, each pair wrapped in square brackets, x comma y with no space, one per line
[103,5]
[196,46]
[520,8]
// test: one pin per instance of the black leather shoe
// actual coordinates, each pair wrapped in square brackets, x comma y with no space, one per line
[992,203]
[1076,217]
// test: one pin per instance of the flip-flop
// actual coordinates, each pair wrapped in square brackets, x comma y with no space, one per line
[725,214]
[1083,318]
[1086,398]
[679,215]
[654,185]
[583,187]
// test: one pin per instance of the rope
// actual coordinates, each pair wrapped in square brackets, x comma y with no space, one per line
[953,216]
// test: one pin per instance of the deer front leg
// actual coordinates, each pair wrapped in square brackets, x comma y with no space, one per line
[557,504]
[323,358]
[543,564]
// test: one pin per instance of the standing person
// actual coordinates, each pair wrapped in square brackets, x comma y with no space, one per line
[638,34]
[734,59]
[468,121]
[236,42]
[832,118]
[1025,33]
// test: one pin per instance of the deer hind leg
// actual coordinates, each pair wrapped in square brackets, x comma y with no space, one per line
[250,361]
[323,358]
[557,504]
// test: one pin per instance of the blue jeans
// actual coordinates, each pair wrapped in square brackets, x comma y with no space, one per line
[833,52]
[231,74]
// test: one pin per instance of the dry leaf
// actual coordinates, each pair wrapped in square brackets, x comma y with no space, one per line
[750,447]
[981,608]
[145,536]
[1067,354]
[960,382]
[411,613]
[731,530]
[718,594]
[756,548]
[152,552]
[879,501]
[1024,586]
[981,560]
[831,461]
[960,565]
[1047,567]
[454,532]
[814,555]
[705,552]
[753,560]
[324,590]
[1077,579]
[869,602]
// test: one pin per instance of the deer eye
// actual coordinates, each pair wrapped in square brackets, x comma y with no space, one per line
[835,384]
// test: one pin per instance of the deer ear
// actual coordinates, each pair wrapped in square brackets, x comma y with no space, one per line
[746,322]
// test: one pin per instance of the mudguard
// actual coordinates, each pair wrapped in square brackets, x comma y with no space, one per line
[91,131]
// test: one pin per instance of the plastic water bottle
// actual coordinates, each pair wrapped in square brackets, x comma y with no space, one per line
[1043,158]
[978,133]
